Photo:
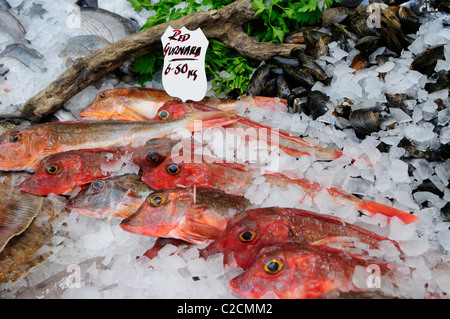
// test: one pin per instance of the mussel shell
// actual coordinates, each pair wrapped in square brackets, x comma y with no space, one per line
[334,15]
[258,80]
[397,100]
[367,44]
[317,104]
[393,37]
[306,62]
[359,62]
[426,61]
[410,22]
[321,47]
[282,87]
[442,82]
[366,121]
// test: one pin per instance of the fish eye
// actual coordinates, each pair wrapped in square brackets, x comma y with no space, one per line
[157,200]
[96,186]
[52,169]
[273,266]
[163,115]
[247,236]
[14,138]
[102,95]
[173,169]
[153,157]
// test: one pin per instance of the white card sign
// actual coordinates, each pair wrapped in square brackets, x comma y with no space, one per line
[184,73]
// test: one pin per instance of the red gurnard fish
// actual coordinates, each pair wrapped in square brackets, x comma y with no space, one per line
[23,147]
[248,232]
[193,215]
[141,103]
[62,173]
[293,271]
[236,179]
[114,197]
[291,145]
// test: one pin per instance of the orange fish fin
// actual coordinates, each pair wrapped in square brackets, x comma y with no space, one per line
[376,208]
[211,119]
[342,241]
[193,228]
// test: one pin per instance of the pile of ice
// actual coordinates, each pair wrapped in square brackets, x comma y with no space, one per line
[90,260]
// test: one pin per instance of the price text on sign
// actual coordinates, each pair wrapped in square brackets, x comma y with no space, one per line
[184,73]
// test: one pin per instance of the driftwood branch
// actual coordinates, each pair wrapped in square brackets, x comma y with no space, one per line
[223,24]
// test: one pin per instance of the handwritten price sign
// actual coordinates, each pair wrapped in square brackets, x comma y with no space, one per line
[184,73]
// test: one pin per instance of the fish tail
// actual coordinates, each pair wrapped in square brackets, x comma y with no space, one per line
[376,208]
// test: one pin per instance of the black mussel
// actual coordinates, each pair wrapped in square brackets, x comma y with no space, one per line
[397,101]
[392,36]
[392,16]
[362,27]
[440,81]
[321,48]
[312,35]
[270,88]
[317,104]
[306,62]
[282,61]
[410,22]
[426,61]
[298,106]
[282,86]
[295,37]
[367,44]
[344,109]
[440,155]
[367,121]
[360,61]
[334,15]
[258,80]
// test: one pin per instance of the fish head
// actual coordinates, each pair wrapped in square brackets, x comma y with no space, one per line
[101,199]
[160,213]
[173,173]
[56,174]
[154,152]
[282,271]
[21,148]
[105,105]
[247,233]
[175,109]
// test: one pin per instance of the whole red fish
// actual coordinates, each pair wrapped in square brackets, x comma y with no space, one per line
[114,197]
[62,173]
[193,215]
[293,271]
[248,232]
[248,129]
[23,147]
[236,179]
[141,103]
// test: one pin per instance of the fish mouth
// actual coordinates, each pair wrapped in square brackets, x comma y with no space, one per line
[92,114]
[32,187]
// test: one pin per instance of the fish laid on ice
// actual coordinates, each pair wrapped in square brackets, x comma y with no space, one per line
[11,26]
[82,46]
[250,231]
[114,197]
[23,147]
[17,209]
[194,215]
[142,103]
[62,173]
[109,25]
[247,129]
[31,58]
[293,271]
[236,179]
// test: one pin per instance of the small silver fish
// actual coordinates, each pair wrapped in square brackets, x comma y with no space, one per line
[82,46]
[26,55]
[11,26]
[109,25]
